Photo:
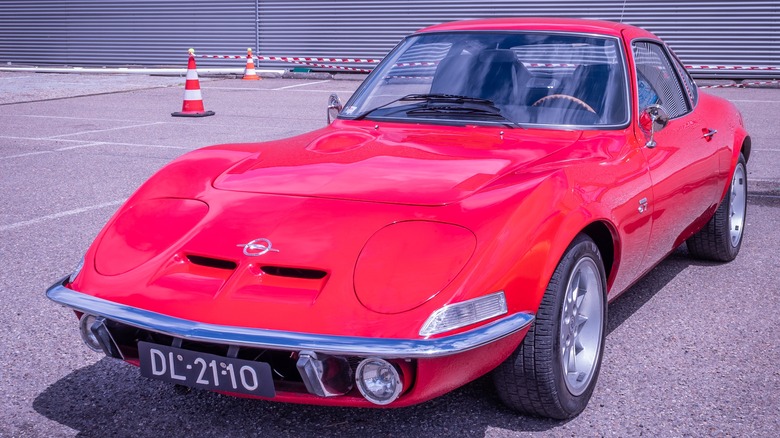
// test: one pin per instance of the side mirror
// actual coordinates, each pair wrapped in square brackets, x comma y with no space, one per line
[653,119]
[334,107]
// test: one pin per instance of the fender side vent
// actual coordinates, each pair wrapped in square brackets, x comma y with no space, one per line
[211,262]
[280,271]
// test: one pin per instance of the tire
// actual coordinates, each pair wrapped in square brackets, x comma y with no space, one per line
[533,380]
[721,239]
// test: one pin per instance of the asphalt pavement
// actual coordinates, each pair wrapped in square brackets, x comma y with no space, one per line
[692,349]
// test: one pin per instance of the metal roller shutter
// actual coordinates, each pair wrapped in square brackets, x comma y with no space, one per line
[148,32]
[710,32]
[118,33]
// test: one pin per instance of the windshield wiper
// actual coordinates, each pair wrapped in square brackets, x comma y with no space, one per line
[433,97]
[430,98]
[494,112]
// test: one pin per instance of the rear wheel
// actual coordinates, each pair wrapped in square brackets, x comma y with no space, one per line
[553,372]
[721,238]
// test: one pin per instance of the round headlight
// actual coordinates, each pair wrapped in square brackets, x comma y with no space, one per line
[89,338]
[378,380]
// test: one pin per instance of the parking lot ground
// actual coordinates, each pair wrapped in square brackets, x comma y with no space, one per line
[692,349]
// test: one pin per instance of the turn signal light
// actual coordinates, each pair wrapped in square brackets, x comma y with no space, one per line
[453,316]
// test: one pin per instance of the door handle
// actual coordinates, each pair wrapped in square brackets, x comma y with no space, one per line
[708,133]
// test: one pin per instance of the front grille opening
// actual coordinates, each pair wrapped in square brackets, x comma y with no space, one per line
[212,262]
[282,362]
[280,271]
[284,371]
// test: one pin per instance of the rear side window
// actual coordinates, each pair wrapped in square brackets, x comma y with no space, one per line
[657,82]
[690,86]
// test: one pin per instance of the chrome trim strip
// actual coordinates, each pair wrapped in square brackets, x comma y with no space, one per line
[281,340]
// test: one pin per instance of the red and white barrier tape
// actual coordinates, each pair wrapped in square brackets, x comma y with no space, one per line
[296,59]
[309,60]
[337,67]
[222,56]
[417,64]
[742,85]
[731,67]
[535,65]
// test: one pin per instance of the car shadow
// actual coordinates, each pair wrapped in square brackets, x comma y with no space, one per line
[624,306]
[110,398]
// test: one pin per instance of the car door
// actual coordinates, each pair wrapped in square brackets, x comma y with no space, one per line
[684,163]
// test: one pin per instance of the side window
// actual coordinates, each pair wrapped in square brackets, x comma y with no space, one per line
[690,86]
[657,82]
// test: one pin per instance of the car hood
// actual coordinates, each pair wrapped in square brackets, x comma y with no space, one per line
[391,163]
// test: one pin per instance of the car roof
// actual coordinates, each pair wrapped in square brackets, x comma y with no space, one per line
[573,25]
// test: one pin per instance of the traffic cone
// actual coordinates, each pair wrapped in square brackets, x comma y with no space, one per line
[249,71]
[193,101]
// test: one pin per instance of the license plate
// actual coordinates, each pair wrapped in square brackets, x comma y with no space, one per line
[207,371]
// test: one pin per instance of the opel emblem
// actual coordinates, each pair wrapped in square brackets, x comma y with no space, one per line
[258,247]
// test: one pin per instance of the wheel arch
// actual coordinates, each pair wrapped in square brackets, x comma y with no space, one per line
[602,233]
[742,145]
[747,144]
[598,229]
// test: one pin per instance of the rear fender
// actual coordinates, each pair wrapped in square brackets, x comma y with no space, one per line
[742,145]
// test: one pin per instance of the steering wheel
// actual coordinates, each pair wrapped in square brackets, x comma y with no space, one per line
[566,97]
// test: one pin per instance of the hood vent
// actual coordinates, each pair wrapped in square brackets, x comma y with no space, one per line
[212,262]
[280,271]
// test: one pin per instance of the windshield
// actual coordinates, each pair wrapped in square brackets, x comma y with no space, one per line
[498,78]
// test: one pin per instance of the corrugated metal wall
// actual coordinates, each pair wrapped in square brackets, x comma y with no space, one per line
[117,32]
[700,31]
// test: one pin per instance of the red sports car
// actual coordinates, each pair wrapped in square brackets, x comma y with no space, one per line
[473,208]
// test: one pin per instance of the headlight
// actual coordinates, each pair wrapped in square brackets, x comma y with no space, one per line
[465,313]
[405,264]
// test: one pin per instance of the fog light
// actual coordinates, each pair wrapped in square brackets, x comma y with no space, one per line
[378,380]
[465,313]
[89,338]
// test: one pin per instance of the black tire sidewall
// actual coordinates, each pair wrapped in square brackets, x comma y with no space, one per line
[726,229]
[580,248]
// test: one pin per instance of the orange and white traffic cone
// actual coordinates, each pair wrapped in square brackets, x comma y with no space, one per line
[249,71]
[193,100]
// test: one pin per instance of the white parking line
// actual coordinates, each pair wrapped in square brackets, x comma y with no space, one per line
[92,143]
[103,130]
[25,155]
[79,146]
[301,85]
[64,117]
[49,217]
[12,137]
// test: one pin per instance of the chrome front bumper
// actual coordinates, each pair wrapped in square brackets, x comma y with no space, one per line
[282,340]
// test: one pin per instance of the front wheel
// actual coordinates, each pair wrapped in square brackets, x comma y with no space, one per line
[721,239]
[554,371]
